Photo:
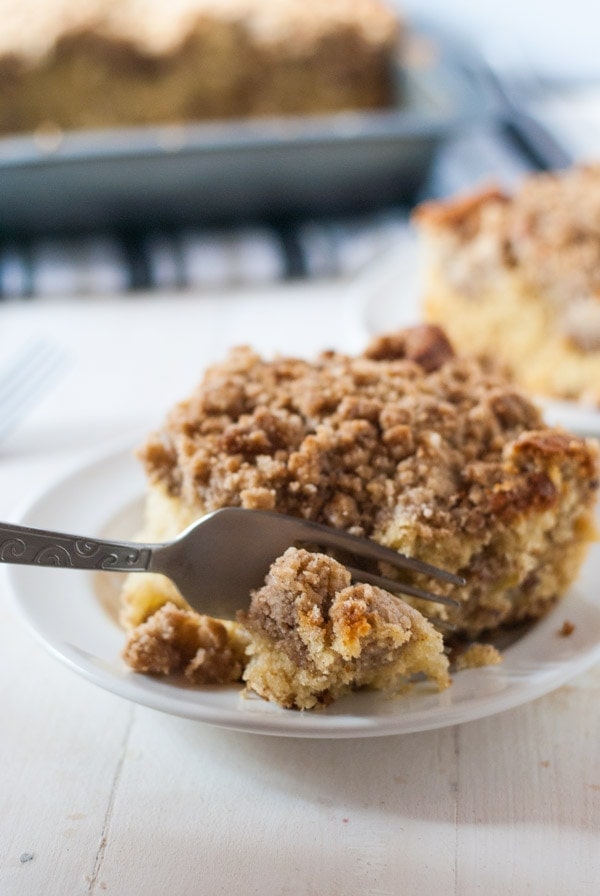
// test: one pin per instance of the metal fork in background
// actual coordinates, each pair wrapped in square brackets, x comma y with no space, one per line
[515,91]
[25,379]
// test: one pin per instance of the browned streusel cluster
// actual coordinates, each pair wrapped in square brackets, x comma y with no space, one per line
[173,640]
[433,454]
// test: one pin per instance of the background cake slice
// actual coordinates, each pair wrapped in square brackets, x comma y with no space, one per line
[518,278]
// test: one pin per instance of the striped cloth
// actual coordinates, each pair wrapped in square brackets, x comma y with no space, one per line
[197,259]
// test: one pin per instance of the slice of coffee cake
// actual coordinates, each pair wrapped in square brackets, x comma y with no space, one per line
[518,278]
[431,453]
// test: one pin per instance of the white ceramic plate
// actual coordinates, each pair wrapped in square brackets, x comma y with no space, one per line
[576,418]
[68,611]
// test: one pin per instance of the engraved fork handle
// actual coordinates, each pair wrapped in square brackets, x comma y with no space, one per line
[38,547]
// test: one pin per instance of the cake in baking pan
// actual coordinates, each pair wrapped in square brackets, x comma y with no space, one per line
[106,63]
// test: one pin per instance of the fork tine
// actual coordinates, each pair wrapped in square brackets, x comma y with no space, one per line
[395,587]
[25,379]
[366,547]
[18,365]
[34,359]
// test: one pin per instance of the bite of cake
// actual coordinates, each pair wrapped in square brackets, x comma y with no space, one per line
[315,636]
[308,636]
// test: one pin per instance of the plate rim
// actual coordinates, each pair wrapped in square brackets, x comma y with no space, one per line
[167,698]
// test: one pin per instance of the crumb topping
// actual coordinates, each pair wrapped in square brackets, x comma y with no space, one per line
[315,635]
[30,29]
[175,640]
[310,589]
[300,586]
[353,442]
[477,655]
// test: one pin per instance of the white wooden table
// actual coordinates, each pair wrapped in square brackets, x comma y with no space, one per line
[101,796]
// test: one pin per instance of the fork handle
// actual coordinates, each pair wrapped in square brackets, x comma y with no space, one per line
[38,547]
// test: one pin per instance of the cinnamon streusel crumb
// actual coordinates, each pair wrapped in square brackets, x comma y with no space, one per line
[175,640]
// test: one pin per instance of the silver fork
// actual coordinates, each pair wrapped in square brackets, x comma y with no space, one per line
[25,379]
[218,560]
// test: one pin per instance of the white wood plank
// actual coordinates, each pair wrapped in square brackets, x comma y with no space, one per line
[60,746]
[210,811]
[529,797]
